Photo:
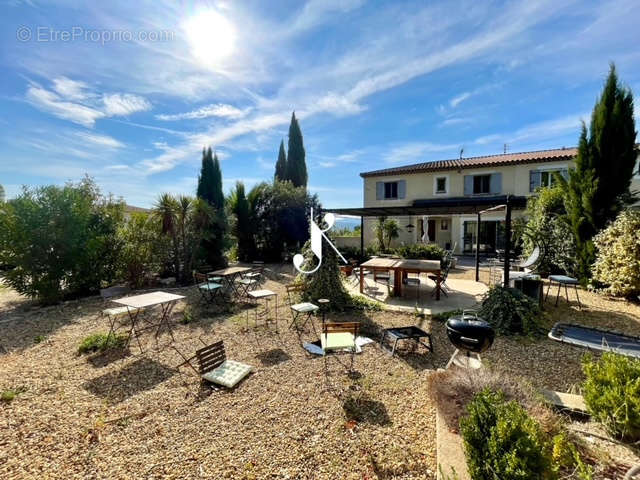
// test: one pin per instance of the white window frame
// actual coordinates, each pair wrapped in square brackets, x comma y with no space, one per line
[435,185]
[384,193]
[550,169]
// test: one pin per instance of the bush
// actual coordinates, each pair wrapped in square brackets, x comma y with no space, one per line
[509,311]
[612,393]
[617,262]
[62,241]
[421,251]
[99,342]
[144,249]
[502,441]
[547,225]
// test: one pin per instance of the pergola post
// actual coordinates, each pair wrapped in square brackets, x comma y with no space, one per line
[361,236]
[478,249]
[507,243]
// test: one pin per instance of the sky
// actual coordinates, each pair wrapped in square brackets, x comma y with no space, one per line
[129,92]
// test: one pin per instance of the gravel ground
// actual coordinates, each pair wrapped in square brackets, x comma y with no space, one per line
[126,415]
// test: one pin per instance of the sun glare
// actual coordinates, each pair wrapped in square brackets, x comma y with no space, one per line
[211,37]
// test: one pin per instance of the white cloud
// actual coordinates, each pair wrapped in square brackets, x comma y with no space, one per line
[119,104]
[214,110]
[327,164]
[455,101]
[99,140]
[73,101]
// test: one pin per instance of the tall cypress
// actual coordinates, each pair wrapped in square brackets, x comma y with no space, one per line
[243,229]
[217,196]
[206,184]
[296,164]
[598,186]
[281,164]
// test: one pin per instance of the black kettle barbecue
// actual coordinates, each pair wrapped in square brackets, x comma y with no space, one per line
[470,334]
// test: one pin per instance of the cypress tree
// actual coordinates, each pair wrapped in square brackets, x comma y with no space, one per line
[281,164]
[598,186]
[243,230]
[296,165]
[217,195]
[206,185]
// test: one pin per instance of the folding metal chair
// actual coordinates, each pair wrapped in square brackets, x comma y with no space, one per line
[444,288]
[210,291]
[302,309]
[339,337]
[117,316]
[257,272]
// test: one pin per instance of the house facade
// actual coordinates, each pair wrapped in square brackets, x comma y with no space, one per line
[518,174]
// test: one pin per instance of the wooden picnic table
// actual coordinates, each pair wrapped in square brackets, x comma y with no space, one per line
[229,275]
[400,268]
[137,303]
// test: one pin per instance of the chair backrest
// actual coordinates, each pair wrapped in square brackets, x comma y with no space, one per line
[111,292]
[294,288]
[341,327]
[532,259]
[200,277]
[211,357]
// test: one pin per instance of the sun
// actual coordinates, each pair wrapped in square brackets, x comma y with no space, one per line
[211,37]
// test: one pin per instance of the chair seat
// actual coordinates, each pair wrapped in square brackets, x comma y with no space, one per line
[337,341]
[117,311]
[304,307]
[209,286]
[413,281]
[563,279]
[252,275]
[246,281]
[215,279]
[228,374]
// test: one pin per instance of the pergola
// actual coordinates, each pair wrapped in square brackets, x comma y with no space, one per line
[447,206]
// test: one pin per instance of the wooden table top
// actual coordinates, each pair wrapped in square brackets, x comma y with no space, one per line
[422,265]
[148,299]
[381,262]
[224,272]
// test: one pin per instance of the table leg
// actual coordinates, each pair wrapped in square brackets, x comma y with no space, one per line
[133,316]
[438,281]
[166,309]
[361,280]
[397,282]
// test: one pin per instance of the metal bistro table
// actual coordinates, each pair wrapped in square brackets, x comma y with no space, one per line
[400,269]
[137,303]
[228,276]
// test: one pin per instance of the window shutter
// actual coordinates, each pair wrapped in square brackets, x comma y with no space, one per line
[402,188]
[534,180]
[379,190]
[565,173]
[468,184]
[495,183]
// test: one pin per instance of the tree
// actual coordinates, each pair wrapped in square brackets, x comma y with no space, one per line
[296,164]
[217,200]
[387,229]
[598,187]
[243,230]
[61,241]
[281,164]
[206,185]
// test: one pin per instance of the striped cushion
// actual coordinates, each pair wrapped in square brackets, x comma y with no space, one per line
[304,307]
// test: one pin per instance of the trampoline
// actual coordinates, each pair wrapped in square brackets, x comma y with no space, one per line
[596,339]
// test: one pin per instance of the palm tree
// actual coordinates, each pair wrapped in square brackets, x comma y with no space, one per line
[166,212]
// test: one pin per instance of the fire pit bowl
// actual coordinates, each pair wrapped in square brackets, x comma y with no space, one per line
[470,333]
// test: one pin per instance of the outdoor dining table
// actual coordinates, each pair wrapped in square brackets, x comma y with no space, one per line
[400,268]
[228,277]
[137,303]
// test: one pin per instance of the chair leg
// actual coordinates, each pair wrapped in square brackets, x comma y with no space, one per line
[566,293]
[548,288]
[577,297]
[558,295]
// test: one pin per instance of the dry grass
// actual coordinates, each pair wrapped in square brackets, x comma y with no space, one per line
[125,415]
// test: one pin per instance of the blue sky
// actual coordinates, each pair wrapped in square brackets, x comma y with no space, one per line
[130,91]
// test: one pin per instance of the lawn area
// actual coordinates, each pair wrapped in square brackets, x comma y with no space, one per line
[125,415]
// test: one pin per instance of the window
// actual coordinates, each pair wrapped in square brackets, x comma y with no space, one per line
[481,184]
[441,185]
[390,190]
[547,179]
[444,225]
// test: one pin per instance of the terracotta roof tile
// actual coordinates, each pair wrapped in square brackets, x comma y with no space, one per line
[479,162]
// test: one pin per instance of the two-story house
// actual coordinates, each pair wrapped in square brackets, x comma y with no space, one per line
[518,174]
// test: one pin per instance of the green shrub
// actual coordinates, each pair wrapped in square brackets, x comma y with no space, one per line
[61,240]
[39,339]
[420,251]
[617,264]
[509,311]
[99,342]
[612,393]
[8,396]
[502,441]
[364,304]
[144,249]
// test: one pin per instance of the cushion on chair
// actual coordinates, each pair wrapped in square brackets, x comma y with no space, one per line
[246,281]
[228,374]
[117,311]
[252,274]
[209,286]
[337,341]
[563,279]
[304,307]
